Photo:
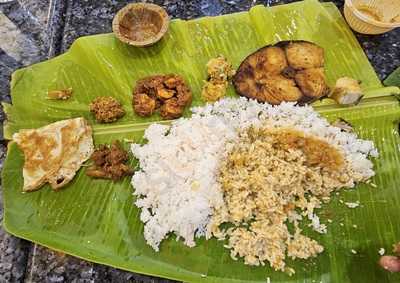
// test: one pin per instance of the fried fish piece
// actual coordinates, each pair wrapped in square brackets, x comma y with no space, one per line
[54,153]
[304,55]
[282,88]
[312,82]
[286,71]
[272,60]
[245,82]
[251,88]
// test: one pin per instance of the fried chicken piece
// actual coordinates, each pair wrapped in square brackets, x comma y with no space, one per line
[99,155]
[172,81]
[106,109]
[148,84]
[304,55]
[144,105]
[184,95]
[155,92]
[117,154]
[171,109]
[267,60]
[163,93]
[312,82]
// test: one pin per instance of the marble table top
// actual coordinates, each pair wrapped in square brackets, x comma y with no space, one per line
[35,30]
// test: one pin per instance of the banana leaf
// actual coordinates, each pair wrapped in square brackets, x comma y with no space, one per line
[393,79]
[97,219]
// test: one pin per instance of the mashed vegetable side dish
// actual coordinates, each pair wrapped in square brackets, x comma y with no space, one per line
[186,177]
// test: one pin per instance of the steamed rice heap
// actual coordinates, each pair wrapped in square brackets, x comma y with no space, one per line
[207,170]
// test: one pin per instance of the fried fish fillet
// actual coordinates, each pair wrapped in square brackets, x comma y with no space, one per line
[311,82]
[286,71]
[54,153]
[269,59]
[282,88]
[304,55]
[275,61]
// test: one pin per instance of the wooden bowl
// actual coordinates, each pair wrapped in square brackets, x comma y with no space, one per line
[140,24]
[379,16]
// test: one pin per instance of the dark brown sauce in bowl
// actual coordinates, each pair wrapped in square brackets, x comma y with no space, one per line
[140,24]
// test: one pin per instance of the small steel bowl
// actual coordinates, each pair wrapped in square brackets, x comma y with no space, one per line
[140,24]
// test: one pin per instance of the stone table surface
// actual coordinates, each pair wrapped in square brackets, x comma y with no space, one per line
[35,30]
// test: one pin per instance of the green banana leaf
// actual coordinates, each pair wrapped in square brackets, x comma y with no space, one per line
[393,79]
[97,220]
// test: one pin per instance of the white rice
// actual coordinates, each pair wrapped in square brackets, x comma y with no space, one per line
[352,204]
[178,177]
[177,186]
[381,251]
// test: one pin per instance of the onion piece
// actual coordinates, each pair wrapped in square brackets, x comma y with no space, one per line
[390,263]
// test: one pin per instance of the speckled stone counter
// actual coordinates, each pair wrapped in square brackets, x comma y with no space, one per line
[35,30]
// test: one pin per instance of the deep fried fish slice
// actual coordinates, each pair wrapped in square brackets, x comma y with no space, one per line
[312,82]
[304,55]
[282,88]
